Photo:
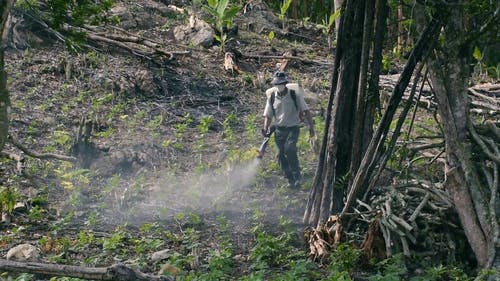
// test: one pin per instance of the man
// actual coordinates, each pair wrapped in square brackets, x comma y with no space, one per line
[287,109]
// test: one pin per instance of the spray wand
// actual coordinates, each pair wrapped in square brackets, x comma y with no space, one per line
[267,137]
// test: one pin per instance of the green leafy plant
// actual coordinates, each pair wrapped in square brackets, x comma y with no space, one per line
[270,250]
[62,138]
[222,18]
[116,244]
[155,123]
[301,269]
[328,25]
[390,269]
[36,213]
[441,272]
[219,266]
[343,260]
[283,10]
[8,198]
[228,127]
[270,37]
[85,238]
[205,124]
[386,63]
[20,277]
[251,127]
[204,127]
[57,14]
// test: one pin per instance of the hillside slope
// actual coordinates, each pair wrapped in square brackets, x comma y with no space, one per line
[163,141]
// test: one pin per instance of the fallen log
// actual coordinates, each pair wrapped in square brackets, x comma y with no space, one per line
[117,272]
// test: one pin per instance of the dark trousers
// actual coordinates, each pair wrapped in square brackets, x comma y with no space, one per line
[286,141]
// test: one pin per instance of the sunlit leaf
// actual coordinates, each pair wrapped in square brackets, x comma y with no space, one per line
[477,54]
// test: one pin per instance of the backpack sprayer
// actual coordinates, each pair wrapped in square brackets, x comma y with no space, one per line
[267,137]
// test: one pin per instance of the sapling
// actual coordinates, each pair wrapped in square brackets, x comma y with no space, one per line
[222,18]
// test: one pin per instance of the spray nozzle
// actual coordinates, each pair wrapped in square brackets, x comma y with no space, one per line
[262,148]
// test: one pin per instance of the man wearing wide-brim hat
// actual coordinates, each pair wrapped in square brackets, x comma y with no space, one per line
[286,109]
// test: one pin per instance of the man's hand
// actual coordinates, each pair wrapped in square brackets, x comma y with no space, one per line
[264,132]
[312,133]
[313,141]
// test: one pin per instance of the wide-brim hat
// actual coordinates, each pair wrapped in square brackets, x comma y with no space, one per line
[279,77]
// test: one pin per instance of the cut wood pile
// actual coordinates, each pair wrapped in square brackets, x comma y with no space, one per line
[484,98]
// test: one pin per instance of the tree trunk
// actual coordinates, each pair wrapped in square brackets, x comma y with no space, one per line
[5,7]
[471,171]
[449,72]
[361,103]
[328,188]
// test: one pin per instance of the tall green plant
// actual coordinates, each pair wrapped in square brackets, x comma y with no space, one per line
[283,10]
[222,18]
[8,199]
[327,26]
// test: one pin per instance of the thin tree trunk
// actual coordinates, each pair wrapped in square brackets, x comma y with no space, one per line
[401,33]
[462,179]
[373,97]
[461,176]
[472,184]
[337,5]
[395,136]
[5,7]
[358,140]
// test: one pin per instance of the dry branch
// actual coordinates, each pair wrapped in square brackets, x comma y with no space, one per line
[493,155]
[40,155]
[120,41]
[117,272]
[419,207]
[486,98]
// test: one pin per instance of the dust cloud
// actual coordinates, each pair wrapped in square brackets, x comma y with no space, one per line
[221,190]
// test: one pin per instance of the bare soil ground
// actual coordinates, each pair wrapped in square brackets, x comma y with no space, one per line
[148,160]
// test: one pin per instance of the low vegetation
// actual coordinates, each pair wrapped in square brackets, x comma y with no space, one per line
[172,186]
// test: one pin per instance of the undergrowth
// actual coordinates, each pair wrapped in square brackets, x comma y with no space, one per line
[277,253]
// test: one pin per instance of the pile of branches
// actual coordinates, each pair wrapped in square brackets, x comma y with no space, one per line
[415,217]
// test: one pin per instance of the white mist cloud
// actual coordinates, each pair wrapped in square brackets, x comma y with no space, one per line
[208,191]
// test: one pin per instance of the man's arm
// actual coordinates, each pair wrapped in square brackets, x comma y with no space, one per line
[267,124]
[310,121]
